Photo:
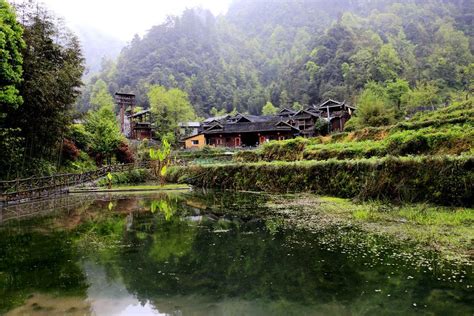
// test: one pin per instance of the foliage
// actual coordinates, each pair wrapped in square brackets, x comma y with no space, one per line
[69,150]
[11,153]
[269,109]
[104,132]
[124,154]
[160,159]
[100,96]
[52,71]
[11,60]
[424,95]
[130,177]
[442,180]
[373,108]
[83,163]
[300,52]
[170,107]
[321,127]
[80,136]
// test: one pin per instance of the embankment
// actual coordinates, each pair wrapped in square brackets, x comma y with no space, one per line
[446,180]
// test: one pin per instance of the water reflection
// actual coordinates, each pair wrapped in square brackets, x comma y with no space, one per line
[208,254]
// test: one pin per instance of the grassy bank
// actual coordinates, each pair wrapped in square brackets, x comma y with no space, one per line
[443,180]
[447,131]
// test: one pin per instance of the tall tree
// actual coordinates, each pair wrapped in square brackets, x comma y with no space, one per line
[11,60]
[100,96]
[53,67]
[170,107]
[269,109]
[104,132]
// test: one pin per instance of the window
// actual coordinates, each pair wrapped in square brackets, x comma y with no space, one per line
[195,142]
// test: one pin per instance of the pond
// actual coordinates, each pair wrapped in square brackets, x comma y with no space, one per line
[210,253]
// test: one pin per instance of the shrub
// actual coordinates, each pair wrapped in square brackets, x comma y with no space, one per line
[69,150]
[124,154]
[443,180]
[130,177]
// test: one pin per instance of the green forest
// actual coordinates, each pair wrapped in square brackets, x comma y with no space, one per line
[391,59]
[294,53]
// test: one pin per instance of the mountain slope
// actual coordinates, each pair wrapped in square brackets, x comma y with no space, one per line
[300,51]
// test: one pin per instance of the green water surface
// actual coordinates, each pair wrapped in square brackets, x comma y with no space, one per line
[210,254]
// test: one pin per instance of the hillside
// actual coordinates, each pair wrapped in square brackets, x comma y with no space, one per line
[300,51]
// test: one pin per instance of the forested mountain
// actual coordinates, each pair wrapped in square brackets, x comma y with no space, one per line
[300,51]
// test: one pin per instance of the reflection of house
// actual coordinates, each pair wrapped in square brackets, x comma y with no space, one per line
[243,130]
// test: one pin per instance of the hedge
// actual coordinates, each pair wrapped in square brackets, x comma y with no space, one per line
[444,180]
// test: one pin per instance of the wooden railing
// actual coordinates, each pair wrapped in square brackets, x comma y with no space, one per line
[31,188]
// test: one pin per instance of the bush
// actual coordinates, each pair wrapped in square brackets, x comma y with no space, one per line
[78,134]
[69,150]
[444,180]
[131,177]
[83,163]
[124,154]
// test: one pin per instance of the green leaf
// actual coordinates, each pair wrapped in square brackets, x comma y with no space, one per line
[163,171]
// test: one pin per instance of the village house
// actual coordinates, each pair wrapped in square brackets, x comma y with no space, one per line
[136,126]
[242,130]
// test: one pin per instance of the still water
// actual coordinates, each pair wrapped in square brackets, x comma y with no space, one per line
[214,253]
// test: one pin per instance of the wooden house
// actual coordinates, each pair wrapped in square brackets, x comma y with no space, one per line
[248,131]
[243,130]
[337,113]
[140,125]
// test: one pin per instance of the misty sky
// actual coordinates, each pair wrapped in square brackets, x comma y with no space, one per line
[124,18]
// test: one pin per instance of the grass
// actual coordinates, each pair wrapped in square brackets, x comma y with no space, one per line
[448,230]
[446,131]
[446,180]
[134,188]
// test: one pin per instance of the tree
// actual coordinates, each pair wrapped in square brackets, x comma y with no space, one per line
[269,109]
[52,72]
[11,60]
[396,90]
[373,108]
[297,106]
[104,132]
[100,96]
[424,95]
[170,107]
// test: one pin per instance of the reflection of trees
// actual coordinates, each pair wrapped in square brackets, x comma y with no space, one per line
[227,255]
[37,262]
[178,259]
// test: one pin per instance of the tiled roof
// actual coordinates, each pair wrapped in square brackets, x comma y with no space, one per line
[262,126]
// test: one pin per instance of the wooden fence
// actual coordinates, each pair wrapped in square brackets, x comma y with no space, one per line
[33,188]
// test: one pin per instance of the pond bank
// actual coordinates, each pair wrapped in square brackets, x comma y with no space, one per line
[444,180]
[132,188]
